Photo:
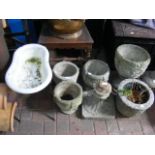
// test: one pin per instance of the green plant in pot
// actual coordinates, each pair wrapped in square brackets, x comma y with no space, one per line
[134,97]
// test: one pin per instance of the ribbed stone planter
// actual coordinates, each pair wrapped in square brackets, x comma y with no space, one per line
[65,70]
[131,61]
[68,96]
[94,71]
[128,108]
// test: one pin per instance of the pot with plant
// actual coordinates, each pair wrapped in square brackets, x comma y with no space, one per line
[134,97]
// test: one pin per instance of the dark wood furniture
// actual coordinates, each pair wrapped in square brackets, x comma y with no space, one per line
[53,42]
[126,33]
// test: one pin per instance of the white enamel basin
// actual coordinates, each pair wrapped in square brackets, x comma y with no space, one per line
[29,71]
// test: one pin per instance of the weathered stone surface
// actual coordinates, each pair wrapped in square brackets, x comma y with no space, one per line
[73,91]
[91,108]
[128,108]
[65,70]
[131,61]
[95,70]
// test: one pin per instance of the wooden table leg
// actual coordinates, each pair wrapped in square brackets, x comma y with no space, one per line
[88,53]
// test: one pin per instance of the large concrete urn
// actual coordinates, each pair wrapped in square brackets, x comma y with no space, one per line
[125,105]
[131,61]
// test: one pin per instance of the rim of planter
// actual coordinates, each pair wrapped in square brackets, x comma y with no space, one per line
[87,65]
[119,48]
[59,64]
[133,105]
[59,86]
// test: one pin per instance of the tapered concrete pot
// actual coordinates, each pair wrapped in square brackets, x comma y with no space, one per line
[94,71]
[128,108]
[68,96]
[131,61]
[65,70]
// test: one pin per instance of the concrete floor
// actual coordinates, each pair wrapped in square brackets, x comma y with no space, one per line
[38,115]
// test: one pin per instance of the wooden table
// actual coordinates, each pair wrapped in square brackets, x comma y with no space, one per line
[53,42]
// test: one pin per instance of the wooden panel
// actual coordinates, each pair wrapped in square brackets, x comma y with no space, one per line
[130,30]
[50,41]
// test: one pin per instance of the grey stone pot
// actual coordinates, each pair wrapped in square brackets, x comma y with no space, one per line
[94,71]
[65,70]
[131,61]
[149,78]
[128,108]
[68,88]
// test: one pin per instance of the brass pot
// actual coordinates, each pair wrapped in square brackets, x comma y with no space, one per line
[66,26]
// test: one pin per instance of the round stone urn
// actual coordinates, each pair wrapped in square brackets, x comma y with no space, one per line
[131,61]
[94,71]
[65,70]
[68,96]
[129,108]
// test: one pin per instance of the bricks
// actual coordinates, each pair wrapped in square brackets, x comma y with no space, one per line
[146,125]
[44,116]
[62,127]
[112,127]
[31,128]
[129,126]
[75,125]
[50,127]
[26,114]
[100,127]
[87,127]
[53,121]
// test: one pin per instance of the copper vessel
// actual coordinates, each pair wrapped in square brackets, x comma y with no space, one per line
[66,26]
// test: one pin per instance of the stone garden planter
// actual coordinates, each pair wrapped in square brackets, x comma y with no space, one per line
[128,108]
[94,71]
[68,96]
[131,61]
[65,70]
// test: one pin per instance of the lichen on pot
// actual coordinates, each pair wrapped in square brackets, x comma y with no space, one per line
[131,61]
[134,97]
[68,96]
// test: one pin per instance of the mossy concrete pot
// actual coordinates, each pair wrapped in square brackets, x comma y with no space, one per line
[131,61]
[129,108]
[68,96]
[65,70]
[94,71]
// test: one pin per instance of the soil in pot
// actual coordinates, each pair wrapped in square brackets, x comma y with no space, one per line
[67,97]
[136,93]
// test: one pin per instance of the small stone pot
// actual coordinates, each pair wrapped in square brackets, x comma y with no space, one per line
[68,96]
[131,61]
[94,71]
[129,108]
[65,70]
